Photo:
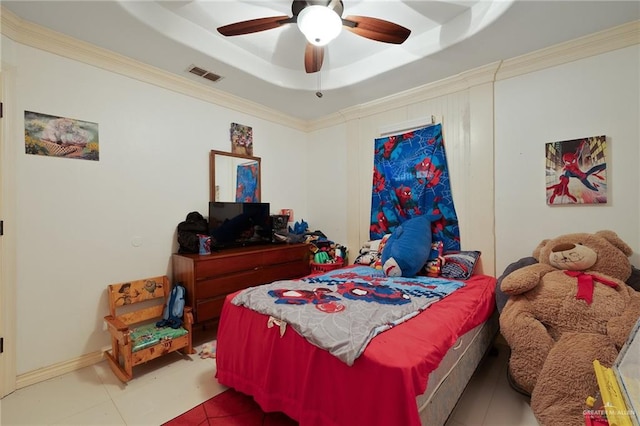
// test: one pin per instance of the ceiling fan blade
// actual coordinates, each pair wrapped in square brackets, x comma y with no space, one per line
[252,25]
[376,29]
[313,57]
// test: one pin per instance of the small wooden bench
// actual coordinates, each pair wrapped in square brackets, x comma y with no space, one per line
[132,318]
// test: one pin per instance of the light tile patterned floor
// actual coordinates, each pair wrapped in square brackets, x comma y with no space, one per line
[171,385]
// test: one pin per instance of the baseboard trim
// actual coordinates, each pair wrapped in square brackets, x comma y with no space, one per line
[55,370]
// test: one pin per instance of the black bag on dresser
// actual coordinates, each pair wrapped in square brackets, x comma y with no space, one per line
[188,232]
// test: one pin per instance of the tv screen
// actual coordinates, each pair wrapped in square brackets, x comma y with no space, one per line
[239,224]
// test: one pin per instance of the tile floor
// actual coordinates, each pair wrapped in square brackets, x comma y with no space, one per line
[171,385]
[488,400]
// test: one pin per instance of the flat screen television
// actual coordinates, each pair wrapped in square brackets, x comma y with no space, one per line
[239,224]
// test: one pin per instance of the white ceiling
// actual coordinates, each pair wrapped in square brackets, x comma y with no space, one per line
[447,37]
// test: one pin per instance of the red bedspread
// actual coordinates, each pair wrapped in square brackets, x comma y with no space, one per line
[310,385]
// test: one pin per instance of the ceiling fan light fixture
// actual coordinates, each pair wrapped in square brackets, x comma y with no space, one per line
[319,24]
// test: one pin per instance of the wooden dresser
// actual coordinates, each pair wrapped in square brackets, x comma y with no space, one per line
[209,278]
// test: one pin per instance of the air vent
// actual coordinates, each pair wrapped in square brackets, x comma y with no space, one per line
[201,72]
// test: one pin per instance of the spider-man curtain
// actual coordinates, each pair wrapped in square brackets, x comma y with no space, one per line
[247,183]
[410,178]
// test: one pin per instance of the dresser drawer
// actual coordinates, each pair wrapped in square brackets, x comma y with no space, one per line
[227,284]
[284,272]
[225,265]
[209,309]
[210,278]
[285,255]
[228,263]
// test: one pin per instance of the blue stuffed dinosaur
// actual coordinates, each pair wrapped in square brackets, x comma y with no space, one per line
[408,248]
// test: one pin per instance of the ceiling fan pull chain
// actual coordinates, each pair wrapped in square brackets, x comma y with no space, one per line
[319,92]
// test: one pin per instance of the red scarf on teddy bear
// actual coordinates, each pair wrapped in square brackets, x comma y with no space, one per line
[585,284]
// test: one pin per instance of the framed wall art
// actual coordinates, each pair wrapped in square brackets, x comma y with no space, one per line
[241,139]
[576,171]
[54,136]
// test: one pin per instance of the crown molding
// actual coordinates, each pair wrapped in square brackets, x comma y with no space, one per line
[456,83]
[594,44]
[27,33]
[42,38]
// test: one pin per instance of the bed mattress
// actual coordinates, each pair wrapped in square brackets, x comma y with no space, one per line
[288,374]
[448,381]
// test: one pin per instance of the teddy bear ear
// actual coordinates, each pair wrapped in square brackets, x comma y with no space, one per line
[613,238]
[536,252]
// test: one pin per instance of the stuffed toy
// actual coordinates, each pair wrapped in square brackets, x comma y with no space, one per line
[501,298]
[408,248]
[563,313]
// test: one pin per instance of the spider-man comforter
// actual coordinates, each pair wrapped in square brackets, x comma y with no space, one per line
[341,311]
[286,373]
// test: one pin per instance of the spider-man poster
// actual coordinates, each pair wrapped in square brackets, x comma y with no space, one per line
[576,171]
[410,178]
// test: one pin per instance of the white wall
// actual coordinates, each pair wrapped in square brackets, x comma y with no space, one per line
[285,170]
[77,220]
[599,95]
[326,183]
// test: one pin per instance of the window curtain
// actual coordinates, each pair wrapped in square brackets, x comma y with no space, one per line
[247,183]
[410,178]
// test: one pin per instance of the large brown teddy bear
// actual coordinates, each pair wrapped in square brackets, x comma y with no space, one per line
[563,312]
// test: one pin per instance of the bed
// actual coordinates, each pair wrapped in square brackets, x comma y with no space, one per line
[410,374]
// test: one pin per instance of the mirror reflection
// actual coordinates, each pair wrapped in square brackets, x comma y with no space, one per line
[234,177]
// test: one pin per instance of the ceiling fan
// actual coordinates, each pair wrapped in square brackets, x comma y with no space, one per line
[321,21]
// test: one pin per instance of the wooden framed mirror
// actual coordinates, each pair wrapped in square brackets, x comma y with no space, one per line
[234,177]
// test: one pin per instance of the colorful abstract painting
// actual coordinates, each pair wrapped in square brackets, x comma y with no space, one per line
[54,136]
[241,139]
[410,178]
[247,183]
[576,171]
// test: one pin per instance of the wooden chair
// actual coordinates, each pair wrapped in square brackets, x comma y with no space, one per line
[131,322]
